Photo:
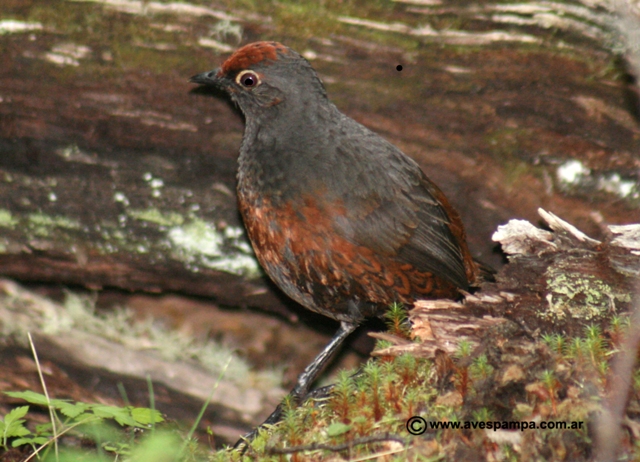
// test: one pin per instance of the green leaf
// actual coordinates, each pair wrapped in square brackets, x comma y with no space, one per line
[37,440]
[60,403]
[118,448]
[86,417]
[99,429]
[338,429]
[12,424]
[16,414]
[44,428]
[17,429]
[29,396]
[73,410]
[146,416]
[120,415]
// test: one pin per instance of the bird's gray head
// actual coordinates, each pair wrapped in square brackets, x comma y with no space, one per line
[261,76]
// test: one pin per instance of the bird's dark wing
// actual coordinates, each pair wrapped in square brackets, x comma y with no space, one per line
[393,209]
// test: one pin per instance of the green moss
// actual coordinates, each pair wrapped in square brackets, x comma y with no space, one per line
[199,243]
[47,221]
[7,220]
[129,39]
[191,240]
[77,313]
[197,238]
[320,19]
[580,296]
[153,215]
[142,58]
[43,225]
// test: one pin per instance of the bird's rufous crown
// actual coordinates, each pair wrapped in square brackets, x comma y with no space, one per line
[253,53]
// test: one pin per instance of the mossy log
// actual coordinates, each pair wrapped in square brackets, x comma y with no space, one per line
[113,174]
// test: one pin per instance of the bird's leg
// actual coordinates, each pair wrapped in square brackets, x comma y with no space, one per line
[313,370]
[305,380]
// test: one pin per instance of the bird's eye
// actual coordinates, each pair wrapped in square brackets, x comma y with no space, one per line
[248,79]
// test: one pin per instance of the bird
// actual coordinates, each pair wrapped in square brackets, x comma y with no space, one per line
[340,219]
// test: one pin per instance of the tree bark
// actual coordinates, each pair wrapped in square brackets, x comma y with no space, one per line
[114,173]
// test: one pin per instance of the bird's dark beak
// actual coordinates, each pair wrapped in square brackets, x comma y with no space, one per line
[207,78]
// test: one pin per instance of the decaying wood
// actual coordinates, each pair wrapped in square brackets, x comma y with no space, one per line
[565,280]
[75,341]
